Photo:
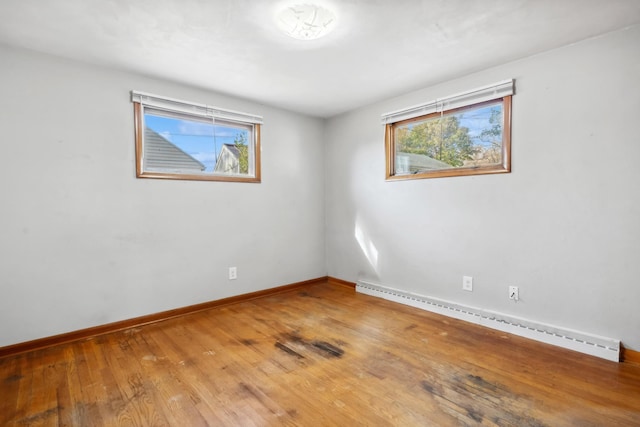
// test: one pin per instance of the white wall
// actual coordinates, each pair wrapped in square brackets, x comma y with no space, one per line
[564,226]
[83,242]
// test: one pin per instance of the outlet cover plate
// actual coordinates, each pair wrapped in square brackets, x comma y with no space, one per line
[467,283]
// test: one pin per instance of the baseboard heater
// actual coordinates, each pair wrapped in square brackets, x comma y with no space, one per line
[606,348]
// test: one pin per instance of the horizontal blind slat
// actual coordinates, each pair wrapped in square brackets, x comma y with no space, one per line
[463,99]
[203,110]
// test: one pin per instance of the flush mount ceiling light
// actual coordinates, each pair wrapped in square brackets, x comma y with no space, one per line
[306,21]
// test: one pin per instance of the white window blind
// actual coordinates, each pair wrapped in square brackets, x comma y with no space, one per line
[475,96]
[176,105]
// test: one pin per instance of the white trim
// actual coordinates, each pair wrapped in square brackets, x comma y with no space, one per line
[603,347]
[463,99]
[203,110]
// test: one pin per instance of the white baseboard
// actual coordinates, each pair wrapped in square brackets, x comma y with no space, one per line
[606,348]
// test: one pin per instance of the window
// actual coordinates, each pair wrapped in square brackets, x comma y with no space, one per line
[182,140]
[465,134]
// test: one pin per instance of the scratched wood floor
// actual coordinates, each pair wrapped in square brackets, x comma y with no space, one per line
[322,356]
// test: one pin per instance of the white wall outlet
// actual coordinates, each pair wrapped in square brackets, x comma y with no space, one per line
[513,293]
[233,273]
[467,283]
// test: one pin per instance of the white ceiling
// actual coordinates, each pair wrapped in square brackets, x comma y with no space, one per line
[379,49]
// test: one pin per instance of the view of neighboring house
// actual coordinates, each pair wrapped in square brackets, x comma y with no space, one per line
[228,160]
[162,155]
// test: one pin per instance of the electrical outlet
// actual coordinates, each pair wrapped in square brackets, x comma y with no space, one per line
[513,293]
[467,283]
[233,273]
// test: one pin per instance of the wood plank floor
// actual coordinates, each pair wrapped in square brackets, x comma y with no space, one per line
[321,356]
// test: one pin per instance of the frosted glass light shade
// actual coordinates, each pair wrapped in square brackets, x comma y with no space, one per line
[306,21]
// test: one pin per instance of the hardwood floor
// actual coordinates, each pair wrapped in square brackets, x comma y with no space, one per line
[319,356]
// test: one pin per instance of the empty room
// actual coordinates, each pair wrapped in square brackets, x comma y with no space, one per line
[323,213]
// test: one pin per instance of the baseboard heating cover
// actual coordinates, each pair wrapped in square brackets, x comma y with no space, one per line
[606,348]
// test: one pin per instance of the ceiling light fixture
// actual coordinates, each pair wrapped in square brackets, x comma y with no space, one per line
[306,21]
